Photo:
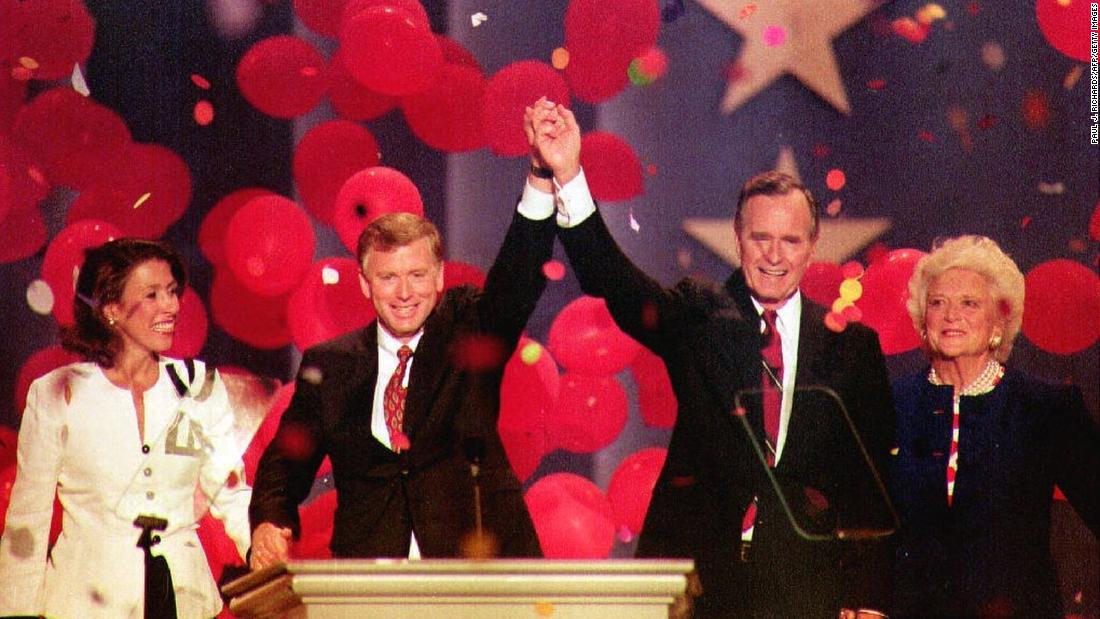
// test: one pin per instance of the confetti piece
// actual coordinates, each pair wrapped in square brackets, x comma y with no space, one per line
[1036,109]
[330,276]
[651,169]
[908,29]
[634,225]
[993,55]
[312,375]
[40,297]
[876,84]
[747,11]
[309,71]
[930,12]
[559,58]
[851,270]
[37,176]
[200,81]
[957,118]
[77,80]
[851,290]
[1052,189]
[625,535]
[21,74]
[926,136]
[531,353]
[973,8]
[684,258]
[141,200]
[852,313]
[1072,76]
[821,151]
[1077,245]
[554,270]
[28,63]
[839,305]
[774,36]
[477,19]
[835,322]
[1025,222]
[735,71]
[894,451]
[835,179]
[987,122]
[833,208]
[203,113]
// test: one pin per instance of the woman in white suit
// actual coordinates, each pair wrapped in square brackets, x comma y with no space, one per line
[123,434]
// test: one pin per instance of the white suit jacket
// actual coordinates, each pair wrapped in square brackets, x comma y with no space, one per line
[79,437]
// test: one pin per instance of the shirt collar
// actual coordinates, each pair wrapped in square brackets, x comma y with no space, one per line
[788,314]
[390,344]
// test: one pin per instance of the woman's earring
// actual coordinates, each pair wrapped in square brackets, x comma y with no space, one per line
[994,341]
[110,322]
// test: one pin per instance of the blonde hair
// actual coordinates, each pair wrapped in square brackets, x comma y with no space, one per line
[394,230]
[980,255]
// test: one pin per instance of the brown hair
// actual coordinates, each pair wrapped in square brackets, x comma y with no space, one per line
[395,230]
[101,281]
[774,183]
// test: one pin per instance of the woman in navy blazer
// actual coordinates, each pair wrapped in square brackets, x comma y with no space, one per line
[980,448]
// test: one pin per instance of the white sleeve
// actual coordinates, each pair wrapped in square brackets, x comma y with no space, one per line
[27,530]
[222,475]
[573,202]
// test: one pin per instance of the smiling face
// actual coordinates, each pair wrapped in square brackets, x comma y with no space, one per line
[404,283]
[776,240]
[145,315]
[960,315]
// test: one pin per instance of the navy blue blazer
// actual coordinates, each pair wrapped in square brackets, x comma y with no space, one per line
[989,552]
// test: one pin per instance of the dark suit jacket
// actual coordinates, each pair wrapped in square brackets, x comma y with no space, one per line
[711,473]
[428,489]
[989,553]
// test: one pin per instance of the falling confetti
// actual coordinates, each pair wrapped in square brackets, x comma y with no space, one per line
[833,208]
[930,13]
[851,270]
[544,609]
[1025,222]
[28,63]
[851,290]
[200,81]
[141,200]
[1052,189]
[40,297]
[634,225]
[908,29]
[987,122]
[835,322]
[204,113]
[684,258]
[531,353]
[926,136]
[312,375]
[747,11]
[330,276]
[559,58]
[876,84]
[1072,76]
[993,55]
[774,36]
[1036,109]
[835,179]
[554,270]
[77,80]
[477,19]
[651,169]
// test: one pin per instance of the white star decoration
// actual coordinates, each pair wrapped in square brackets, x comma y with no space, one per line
[838,239]
[787,36]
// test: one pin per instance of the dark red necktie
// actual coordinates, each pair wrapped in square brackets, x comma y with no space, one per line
[771,383]
[393,401]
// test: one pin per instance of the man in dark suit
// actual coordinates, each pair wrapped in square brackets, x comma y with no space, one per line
[713,501]
[400,407]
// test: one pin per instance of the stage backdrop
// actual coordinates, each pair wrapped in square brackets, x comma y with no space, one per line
[909,120]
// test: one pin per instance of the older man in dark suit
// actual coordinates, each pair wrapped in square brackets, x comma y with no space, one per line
[399,412]
[759,337]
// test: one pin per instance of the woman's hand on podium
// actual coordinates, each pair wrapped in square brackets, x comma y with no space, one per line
[270,545]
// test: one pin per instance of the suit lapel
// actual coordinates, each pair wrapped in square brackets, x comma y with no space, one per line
[430,366]
[813,342]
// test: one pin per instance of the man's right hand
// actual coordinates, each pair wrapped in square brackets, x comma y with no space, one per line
[270,545]
[555,139]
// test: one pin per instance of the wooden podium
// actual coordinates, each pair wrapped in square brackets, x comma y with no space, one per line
[460,589]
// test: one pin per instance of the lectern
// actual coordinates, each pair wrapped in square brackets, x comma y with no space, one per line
[460,589]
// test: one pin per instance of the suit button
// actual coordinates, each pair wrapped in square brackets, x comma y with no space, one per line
[404,472]
[144,449]
[149,496]
[148,471]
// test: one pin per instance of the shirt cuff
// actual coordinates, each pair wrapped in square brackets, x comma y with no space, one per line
[535,204]
[574,202]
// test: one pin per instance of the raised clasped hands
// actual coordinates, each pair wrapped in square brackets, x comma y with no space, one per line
[555,139]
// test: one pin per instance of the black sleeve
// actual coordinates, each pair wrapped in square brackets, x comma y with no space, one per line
[516,281]
[1075,453]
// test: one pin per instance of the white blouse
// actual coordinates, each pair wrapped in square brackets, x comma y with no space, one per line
[79,438]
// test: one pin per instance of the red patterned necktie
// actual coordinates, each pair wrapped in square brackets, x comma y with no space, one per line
[771,383]
[393,401]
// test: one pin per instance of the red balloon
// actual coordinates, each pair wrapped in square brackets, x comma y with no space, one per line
[143,195]
[457,273]
[75,138]
[9,444]
[266,432]
[325,159]
[39,364]
[192,326]
[412,7]
[352,100]
[656,400]
[508,92]
[602,37]
[22,176]
[369,194]
[255,320]
[447,116]
[316,520]
[65,255]
[269,245]
[885,291]
[821,282]
[1062,306]
[282,76]
[26,233]
[572,517]
[611,167]
[320,16]
[57,34]
[455,53]
[328,303]
[218,546]
[13,92]
[389,51]
[216,222]
[1094,223]
[631,486]
[1065,25]
[528,394]
[590,414]
[585,339]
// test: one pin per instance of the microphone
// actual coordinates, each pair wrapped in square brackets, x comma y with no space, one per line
[474,448]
